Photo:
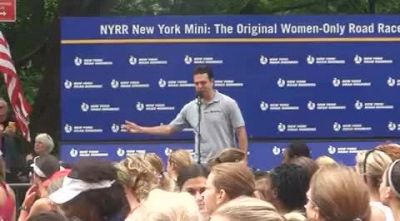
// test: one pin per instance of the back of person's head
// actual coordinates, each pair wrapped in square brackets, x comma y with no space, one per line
[190,172]
[391,149]
[91,186]
[291,183]
[248,209]
[180,159]
[168,206]
[296,149]
[164,181]
[390,187]
[45,166]
[138,175]
[229,155]
[46,140]
[295,216]
[48,216]
[372,164]
[306,163]
[323,161]
[263,184]
[235,179]
[339,193]
[155,161]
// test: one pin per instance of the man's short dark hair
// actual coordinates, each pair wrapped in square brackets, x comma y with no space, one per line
[189,172]
[204,69]
[291,183]
[298,149]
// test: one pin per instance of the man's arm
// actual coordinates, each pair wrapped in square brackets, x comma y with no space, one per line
[242,139]
[156,130]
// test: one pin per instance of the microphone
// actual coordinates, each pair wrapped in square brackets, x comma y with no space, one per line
[199,95]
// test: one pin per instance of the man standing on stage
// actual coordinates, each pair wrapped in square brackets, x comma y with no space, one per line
[221,122]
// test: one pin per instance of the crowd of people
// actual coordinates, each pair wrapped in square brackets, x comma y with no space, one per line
[216,184]
[225,189]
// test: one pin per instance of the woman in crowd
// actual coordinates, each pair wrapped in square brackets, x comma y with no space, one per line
[337,193]
[306,163]
[325,161]
[229,155]
[371,165]
[7,197]
[164,181]
[138,179]
[167,206]
[178,159]
[246,209]
[289,184]
[91,192]
[192,179]
[225,182]
[391,149]
[296,149]
[390,188]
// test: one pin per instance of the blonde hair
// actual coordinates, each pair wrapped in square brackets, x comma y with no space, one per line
[165,182]
[295,216]
[138,175]
[228,155]
[391,149]
[340,194]
[180,158]
[249,209]
[46,140]
[372,164]
[323,161]
[168,206]
[235,178]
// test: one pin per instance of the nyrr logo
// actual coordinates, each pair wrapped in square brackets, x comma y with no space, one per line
[115,128]
[311,105]
[331,149]
[132,60]
[68,84]
[391,82]
[73,152]
[67,128]
[139,106]
[310,59]
[114,83]
[358,105]
[336,82]
[281,82]
[358,59]
[264,106]
[78,61]
[188,59]
[392,126]
[281,127]
[84,107]
[337,127]
[162,83]
[276,150]
[121,152]
[263,60]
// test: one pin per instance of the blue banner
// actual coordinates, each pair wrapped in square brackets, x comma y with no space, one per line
[294,77]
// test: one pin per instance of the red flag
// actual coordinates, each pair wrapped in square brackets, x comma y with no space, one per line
[19,104]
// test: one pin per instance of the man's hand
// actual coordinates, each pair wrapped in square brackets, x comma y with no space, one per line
[132,127]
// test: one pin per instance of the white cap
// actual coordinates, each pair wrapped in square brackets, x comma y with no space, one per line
[72,187]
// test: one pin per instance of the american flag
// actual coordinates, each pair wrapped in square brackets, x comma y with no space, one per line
[19,104]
